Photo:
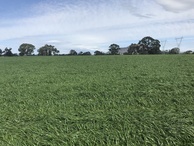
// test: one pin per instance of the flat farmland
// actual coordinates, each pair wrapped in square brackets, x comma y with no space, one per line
[97,100]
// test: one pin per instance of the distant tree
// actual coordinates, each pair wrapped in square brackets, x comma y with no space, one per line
[87,53]
[114,49]
[47,50]
[72,52]
[133,49]
[26,49]
[98,53]
[8,52]
[155,49]
[188,52]
[80,53]
[174,51]
[1,52]
[148,45]
[55,51]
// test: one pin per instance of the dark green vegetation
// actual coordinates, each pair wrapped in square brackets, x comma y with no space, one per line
[97,100]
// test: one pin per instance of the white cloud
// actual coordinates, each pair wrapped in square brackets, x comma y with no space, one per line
[54,41]
[177,5]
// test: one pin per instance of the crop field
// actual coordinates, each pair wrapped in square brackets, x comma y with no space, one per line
[97,100]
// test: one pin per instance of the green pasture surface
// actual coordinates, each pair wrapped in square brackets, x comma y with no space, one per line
[97,100]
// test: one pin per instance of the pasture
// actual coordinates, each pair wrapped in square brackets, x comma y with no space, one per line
[97,100]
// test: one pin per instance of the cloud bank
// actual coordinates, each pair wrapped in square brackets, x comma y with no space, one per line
[91,25]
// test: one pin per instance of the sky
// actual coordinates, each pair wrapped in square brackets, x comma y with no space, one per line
[89,25]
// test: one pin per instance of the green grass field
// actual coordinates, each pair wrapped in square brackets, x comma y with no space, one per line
[97,100]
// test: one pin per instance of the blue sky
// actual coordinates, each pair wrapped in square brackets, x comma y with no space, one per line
[89,25]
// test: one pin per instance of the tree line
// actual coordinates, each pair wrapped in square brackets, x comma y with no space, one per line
[146,45]
[28,50]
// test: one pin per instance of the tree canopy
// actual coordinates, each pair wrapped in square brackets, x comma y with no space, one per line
[133,49]
[72,52]
[8,52]
[26,49]
[114,49]
[47,50]
[148,45]
[98,53]
[1,52]
[174,51]
[86,53]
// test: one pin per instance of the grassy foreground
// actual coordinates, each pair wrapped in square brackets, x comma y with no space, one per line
[97,100]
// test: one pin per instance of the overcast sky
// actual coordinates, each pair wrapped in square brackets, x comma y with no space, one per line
[95,24]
